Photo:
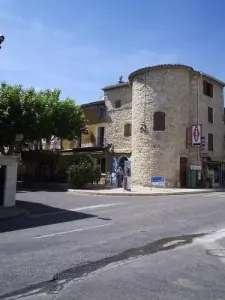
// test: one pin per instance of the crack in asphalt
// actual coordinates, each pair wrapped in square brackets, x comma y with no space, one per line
[59,280]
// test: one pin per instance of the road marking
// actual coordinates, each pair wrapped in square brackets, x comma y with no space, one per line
[70,231]
[214,194]
[64,211]
[96,206]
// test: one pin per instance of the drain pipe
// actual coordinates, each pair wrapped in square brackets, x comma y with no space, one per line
[197,116]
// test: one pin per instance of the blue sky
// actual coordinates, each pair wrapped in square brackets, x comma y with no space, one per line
[80,46]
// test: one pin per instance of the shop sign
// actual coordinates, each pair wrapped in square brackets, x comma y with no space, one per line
[196,133]
[158,181]
[196,168]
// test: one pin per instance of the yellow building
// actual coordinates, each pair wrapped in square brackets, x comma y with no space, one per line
[93,140]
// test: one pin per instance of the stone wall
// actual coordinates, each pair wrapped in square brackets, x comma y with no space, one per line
[176,90]
[217,128]
[116,118]
[157,153]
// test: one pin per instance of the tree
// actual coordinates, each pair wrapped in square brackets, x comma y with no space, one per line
[68,119]
[11,121]
[36,115]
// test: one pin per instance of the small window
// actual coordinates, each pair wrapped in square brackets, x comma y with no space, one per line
[207,89]
[127,130]
[159,121]
[210,114]
[118,103]
[210,141]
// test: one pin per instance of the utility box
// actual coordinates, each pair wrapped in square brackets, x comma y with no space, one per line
[191,178]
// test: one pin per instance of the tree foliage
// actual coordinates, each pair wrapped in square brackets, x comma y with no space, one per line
[83,171]
[37,115]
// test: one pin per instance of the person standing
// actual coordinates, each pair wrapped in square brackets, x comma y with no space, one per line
[119,175]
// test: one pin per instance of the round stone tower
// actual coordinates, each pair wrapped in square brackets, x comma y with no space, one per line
[160,115]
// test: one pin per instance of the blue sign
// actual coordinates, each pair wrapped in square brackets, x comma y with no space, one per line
[157,180]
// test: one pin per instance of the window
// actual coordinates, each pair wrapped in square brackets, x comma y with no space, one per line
[127,130]
[118,103]
[210,141]
[207,89]
[159,121]
[101,162]
[210,114]
[101,113]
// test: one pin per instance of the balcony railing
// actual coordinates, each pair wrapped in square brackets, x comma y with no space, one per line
[87,142]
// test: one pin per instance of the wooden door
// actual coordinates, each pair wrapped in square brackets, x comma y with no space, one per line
[183,171]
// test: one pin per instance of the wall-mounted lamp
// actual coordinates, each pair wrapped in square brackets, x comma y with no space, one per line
[142,128]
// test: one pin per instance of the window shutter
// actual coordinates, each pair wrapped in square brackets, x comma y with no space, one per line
[204,87]
[159,121]
[210,114]
[210,141]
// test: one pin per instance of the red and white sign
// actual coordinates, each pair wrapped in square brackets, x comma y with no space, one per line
[196,134]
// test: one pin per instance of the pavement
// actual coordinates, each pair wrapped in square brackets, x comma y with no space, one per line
[105,247]
[139,191]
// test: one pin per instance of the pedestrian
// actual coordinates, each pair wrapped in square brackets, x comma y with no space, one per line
[119,176]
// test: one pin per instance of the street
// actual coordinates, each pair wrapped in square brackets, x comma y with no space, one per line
[107,247]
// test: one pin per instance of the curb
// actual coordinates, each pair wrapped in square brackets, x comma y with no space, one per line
[92,193]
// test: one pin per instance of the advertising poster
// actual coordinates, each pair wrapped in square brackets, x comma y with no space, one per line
[114,168]
[127,175]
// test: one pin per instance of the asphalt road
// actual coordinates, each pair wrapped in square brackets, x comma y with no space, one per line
[82,247]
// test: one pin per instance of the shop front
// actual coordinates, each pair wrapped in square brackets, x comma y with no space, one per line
[213,174]
[117,160]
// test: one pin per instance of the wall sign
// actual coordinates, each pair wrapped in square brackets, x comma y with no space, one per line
[196,168]
[196,133]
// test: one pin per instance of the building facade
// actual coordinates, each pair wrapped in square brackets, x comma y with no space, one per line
[150,119]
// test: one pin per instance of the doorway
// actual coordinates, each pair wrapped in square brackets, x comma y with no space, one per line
[121,161]
[2,184]
[183,171]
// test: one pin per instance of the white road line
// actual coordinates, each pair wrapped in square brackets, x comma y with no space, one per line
[96,206]
[70,231]
[64,210]
[214,194]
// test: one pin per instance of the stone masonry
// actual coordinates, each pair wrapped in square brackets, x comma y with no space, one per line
[176,90]
[118,117]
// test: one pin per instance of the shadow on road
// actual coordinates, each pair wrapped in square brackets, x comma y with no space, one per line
[40,215]
[41,186]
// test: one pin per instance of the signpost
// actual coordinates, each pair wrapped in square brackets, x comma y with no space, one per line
[158,181]
[196,134]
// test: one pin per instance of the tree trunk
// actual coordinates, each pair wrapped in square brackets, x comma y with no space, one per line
[36,145]
[40,145]
[61,144]
[2,150]
[11,149]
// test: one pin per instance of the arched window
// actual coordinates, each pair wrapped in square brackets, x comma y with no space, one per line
[159,121]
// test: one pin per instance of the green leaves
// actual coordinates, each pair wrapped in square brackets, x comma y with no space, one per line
[37,115]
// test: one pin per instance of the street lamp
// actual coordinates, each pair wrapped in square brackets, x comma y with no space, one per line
[2,38]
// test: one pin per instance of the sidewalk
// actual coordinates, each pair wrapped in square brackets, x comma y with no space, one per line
[11,212]
[140,191]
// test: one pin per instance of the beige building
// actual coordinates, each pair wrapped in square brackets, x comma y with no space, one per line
[150,119]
